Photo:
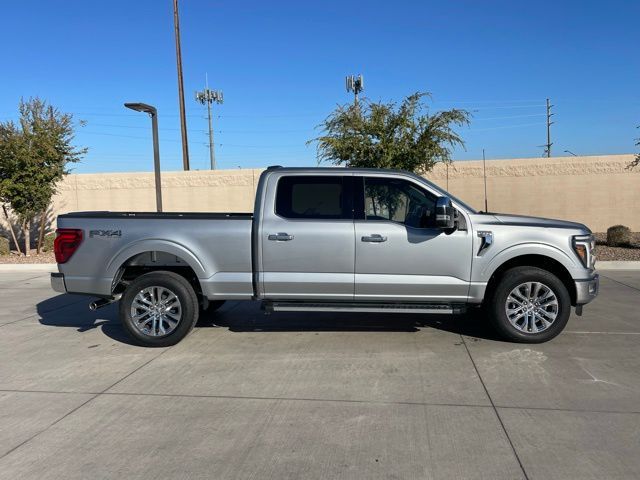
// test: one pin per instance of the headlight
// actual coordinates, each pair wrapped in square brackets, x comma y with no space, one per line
[584,246]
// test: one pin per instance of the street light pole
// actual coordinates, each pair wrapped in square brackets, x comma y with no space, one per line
[156,159]
[153,113]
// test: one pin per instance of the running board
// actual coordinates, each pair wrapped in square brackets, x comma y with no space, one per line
[437,308]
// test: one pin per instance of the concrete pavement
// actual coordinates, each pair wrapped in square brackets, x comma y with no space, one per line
[316,395]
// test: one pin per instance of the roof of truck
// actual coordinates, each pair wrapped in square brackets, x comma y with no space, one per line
[333,169]
[338,170]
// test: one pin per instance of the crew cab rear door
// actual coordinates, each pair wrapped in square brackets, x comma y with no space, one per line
[307,237]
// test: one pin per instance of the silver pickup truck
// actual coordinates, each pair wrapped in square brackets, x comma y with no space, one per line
[330,239]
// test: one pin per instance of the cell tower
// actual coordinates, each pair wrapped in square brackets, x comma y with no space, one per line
[209,96]
[355,84]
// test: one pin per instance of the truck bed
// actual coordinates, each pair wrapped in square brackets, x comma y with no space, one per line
[216,246]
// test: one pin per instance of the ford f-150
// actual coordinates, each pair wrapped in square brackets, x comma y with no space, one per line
[330,239]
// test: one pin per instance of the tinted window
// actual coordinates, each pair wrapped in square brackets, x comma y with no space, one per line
[310,197]
[398,201]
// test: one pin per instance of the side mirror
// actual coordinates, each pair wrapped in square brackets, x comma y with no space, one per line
[444,213]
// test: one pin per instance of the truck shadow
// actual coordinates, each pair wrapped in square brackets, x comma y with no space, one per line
[238,317]
[71,311]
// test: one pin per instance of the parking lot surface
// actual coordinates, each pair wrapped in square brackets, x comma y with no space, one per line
[305,396]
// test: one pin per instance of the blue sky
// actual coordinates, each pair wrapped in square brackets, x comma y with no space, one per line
[281,66]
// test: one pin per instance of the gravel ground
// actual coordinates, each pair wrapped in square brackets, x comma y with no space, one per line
[44,257]
[603,252]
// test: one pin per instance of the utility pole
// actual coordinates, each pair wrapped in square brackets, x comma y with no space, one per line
[356,85]
[209,96]
[183,116]
[549,123]
[484,168]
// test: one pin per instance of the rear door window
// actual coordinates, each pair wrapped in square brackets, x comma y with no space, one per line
[312,197]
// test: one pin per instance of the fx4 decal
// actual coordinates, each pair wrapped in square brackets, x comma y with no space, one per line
[105,233]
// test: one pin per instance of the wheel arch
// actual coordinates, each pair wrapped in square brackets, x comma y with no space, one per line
[148,256]
[543,262]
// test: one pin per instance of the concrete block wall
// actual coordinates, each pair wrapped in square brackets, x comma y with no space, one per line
[599,191]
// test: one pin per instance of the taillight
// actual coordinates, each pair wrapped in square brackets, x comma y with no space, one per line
[66,243]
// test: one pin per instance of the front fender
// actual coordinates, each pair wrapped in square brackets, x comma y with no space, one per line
[489,265]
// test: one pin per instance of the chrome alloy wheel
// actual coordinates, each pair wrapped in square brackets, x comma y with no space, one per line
[156,311]
[531,307]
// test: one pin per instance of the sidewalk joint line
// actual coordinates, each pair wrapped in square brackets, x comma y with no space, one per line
[493,405]
[332,400]
[621,283]
[93,397]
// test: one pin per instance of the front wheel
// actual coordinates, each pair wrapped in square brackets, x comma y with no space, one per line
[158,309]
[529,305]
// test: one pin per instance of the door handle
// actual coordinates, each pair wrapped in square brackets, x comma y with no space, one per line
[375,238]
[280,237]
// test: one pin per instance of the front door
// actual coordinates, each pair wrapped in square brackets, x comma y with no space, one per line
[400,254]
[308,250]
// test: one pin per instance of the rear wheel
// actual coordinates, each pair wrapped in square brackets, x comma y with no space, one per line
[159,309]
[529,305]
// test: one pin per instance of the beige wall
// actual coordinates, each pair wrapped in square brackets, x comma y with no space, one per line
[598,191]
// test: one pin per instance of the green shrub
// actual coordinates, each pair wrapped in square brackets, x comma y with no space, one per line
[4,246]
[618,236]
[47,245]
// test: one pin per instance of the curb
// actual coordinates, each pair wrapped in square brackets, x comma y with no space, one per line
[28,267]
[617,265]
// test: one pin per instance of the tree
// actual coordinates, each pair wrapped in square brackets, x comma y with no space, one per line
[636,161]
[384,135]
[34,154]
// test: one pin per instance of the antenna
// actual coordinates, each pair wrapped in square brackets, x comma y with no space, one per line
[210,96]
[484,168]
[355,84]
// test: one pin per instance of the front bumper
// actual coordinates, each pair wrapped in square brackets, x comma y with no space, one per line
[587,290]
[57,282]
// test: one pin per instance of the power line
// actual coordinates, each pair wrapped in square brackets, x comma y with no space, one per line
[506,126]
[91,124]
[218,144]
[509,107]
[511,116]
[112,125]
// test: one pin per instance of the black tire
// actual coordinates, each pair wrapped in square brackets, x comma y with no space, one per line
[182,289]
[496,306]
